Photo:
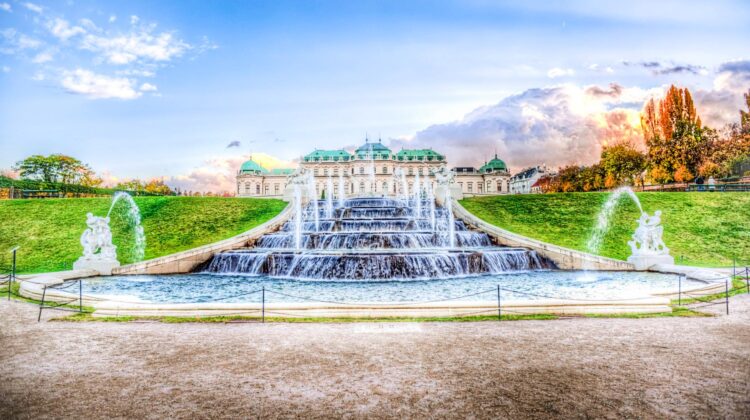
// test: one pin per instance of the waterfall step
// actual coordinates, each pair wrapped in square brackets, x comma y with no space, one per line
[375,265]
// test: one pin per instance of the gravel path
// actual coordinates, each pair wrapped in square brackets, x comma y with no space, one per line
[648,368]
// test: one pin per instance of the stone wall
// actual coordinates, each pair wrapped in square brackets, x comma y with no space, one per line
[565,258]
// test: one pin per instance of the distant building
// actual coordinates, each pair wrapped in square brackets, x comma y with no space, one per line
[370,170]
[522,182]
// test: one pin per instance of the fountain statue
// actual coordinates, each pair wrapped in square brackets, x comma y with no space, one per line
[99,253]
[647,245]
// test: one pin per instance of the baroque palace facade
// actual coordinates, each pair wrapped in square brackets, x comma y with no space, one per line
[370,171]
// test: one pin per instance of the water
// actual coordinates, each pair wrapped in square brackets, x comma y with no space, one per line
[342,189]
[297,217]
[605,215]
[417,196]
[329,197]
[374,239]
[312,195]
[208,287]
[133,216]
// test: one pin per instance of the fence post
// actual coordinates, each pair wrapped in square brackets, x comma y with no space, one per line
[41,305]
[679,290]
[12,277]
[499,311]
[263,305]
[726,294]
[747,278]
[80,295]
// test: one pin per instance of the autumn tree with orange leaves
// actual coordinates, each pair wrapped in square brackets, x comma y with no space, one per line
[674,136]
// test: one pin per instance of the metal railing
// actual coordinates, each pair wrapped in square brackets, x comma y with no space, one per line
[692,300]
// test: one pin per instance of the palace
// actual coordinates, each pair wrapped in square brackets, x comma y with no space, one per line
[370,170]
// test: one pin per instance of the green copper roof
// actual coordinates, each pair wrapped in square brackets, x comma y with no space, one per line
[493,165]
[419,154]
[374,151]
[373,147]
[282,171]
[251,166]
[328,156]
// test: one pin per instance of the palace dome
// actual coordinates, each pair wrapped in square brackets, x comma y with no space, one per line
[252,167]
[495,165]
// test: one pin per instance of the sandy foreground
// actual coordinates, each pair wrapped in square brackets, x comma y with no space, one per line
[648,368]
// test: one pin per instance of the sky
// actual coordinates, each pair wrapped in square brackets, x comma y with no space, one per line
[187,90]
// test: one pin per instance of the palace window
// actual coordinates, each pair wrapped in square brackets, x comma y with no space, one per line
[276,189]
[315,171]
[461,185]
[266,189]
[479,187]
[335,171]
[499,186]
[411,171]
[257,189]
[385,187]
[361,187]
[361,170]
[325,172]
[420,171]
[471,186]
[385,169]
[247,188]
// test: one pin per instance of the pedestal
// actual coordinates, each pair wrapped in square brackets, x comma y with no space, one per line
[643,262]
[103,267]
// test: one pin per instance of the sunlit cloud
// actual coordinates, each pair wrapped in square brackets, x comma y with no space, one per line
[97,86]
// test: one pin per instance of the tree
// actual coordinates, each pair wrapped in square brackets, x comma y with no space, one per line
[57,168]
[674,135]
[623,164]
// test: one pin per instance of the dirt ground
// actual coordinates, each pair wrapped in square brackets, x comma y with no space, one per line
[647,368]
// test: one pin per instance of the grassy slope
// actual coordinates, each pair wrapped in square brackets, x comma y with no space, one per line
[48,231]
[703,228]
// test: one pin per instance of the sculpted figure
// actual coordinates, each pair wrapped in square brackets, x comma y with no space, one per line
[98,238]
[647,239]
[444,176]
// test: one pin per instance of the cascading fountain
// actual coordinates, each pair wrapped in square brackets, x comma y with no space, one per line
[342,189]
[417,196]
[375,238]
[329,197]
[312,193]
[99,253]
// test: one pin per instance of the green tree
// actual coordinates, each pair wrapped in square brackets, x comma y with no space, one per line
[56,168]
[623,164]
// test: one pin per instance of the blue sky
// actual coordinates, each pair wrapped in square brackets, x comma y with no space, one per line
[145,88]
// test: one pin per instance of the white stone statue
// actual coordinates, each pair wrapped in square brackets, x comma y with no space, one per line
[444,176]
[98,251]
[647,245]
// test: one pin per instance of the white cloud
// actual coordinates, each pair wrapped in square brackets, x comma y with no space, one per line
[97,86]
[89,25]
[148,87]
[134,19]
[15,41]
[112,18]
[42,57]
[721,104]
[597,68]
[61,29]
[33,7]
[125,49]
[218,174]
[6,69]
[557,126]
[6,7]
[38,77]
[559,72]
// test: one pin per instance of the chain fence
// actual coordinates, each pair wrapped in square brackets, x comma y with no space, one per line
[685,299]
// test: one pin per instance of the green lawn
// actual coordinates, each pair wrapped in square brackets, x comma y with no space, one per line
[49,230]
[707,229]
